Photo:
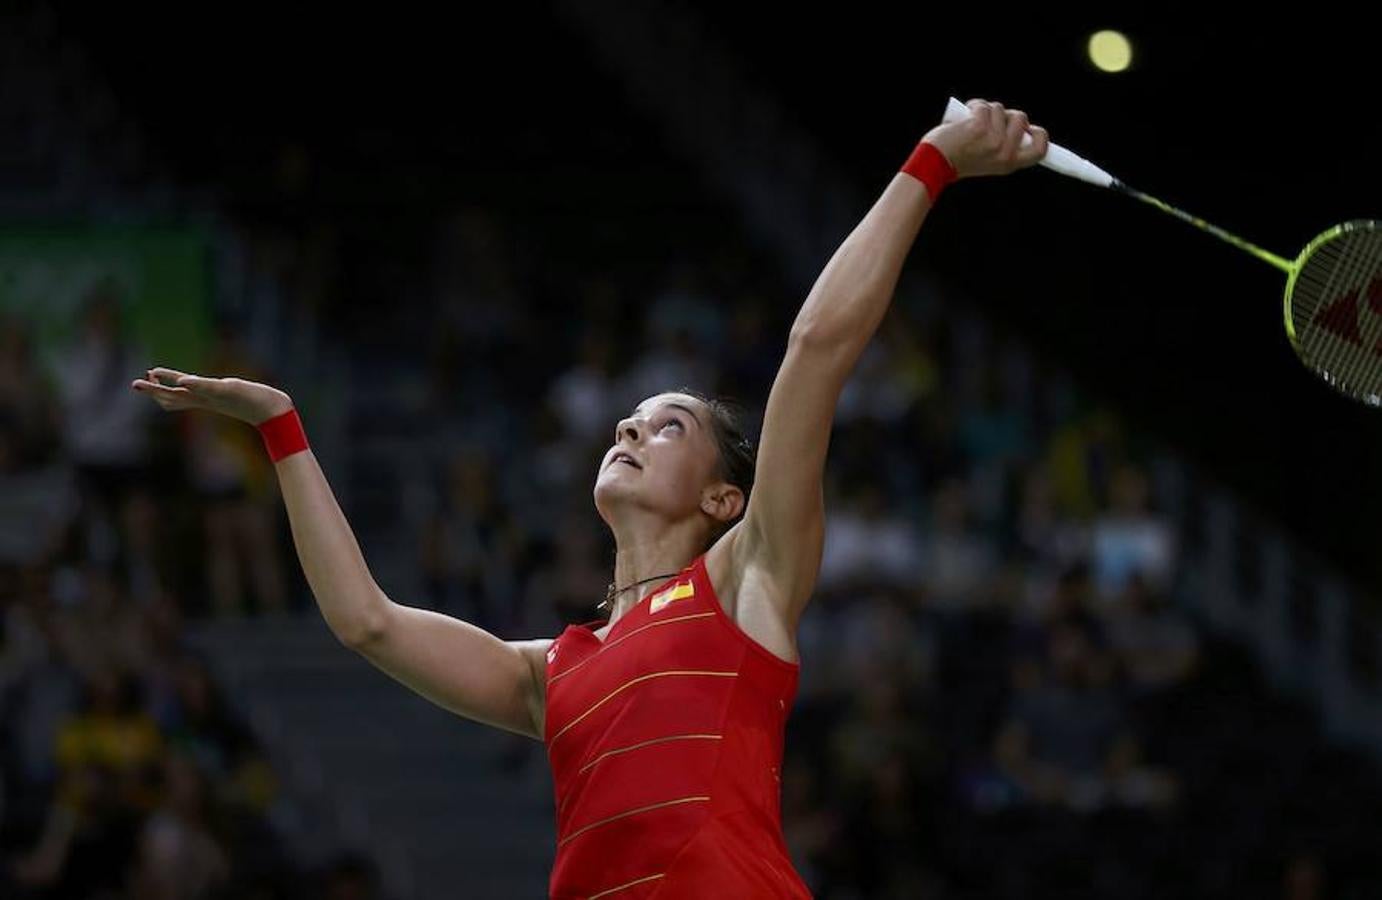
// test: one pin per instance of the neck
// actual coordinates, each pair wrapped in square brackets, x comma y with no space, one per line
[647,553]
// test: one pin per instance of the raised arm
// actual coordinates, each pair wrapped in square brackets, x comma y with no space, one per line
[454,664]
[778,544]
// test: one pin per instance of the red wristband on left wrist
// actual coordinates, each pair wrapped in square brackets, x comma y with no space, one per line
[928,165]
[283,435]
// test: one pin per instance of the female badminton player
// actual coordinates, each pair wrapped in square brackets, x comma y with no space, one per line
[663,723]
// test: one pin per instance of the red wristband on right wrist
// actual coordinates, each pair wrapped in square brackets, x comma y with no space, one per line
[283,435]
[928,165]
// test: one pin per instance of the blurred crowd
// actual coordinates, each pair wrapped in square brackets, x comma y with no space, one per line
[124,772]
[1000,695]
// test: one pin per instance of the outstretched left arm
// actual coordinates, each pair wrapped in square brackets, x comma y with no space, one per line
[777,547]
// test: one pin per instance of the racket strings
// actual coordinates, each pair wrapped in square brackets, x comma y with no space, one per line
[1318,280]
[1337,338]
[1358,265]
[1366,366]
[1331,353]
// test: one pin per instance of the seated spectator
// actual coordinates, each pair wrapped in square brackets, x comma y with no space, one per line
[1130,539]
[1062,728]
[865,540]
[957,559]
[1043,537]
[179,858]
[472,545]
[585,396]
[104,426]
[105,755]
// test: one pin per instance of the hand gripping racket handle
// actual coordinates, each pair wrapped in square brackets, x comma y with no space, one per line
[1057,158]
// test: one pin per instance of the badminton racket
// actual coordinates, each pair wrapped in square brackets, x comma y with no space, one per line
[1333,301]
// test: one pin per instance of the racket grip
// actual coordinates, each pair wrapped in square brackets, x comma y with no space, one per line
[1057,159]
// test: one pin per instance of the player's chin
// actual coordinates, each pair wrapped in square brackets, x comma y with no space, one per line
[610,488]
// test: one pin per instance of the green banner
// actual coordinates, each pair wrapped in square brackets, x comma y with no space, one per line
[162,277]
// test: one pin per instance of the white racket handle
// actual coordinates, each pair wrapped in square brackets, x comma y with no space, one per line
[1057,158]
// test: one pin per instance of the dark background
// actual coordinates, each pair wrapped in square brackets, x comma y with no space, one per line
[463,242]
[1261,124]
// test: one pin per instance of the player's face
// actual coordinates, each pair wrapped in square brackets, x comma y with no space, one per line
[662,456]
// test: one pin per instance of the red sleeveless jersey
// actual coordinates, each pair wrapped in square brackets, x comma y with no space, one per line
[665,743]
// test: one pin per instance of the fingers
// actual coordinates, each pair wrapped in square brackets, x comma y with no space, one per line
[173,390]
[998,127]
[1015,131]
[991,121]
[989,117]
[197,383]
[170,398]
[1041,142]
[998,120]
[982,117]
[152,380]
[1001,131]
[154,389]
[173,378]
[165,376]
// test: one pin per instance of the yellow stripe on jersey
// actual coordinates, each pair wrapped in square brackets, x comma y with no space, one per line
[628,884]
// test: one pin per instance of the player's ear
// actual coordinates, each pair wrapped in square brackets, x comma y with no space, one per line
[722,501]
